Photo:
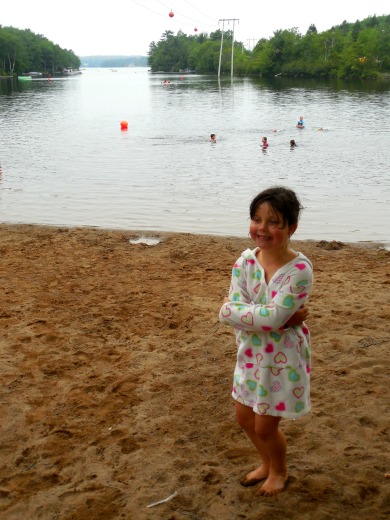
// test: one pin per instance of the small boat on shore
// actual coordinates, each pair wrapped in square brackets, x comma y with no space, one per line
[34,74]
[71,72]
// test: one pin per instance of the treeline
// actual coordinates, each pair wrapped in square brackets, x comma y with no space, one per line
[349,50]
[114,61]
[24,51]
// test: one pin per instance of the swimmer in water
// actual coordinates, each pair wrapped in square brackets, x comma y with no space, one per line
[265,142]
[293,144]
[213,138]
[301,123]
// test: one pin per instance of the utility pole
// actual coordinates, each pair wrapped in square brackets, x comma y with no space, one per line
[220,50]
[231,68]
[249,40]
[223,20]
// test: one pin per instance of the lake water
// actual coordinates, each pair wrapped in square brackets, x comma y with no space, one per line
[65,161]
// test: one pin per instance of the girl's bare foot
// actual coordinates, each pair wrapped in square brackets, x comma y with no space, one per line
[274,485]
[255,476]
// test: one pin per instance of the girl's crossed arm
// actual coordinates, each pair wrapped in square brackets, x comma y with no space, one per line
[245,315]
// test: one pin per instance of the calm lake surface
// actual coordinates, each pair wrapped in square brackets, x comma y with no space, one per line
[65,161]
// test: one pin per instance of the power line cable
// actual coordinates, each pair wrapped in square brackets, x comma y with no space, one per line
[165,16]
[196,9]
[148,8]
[184,16]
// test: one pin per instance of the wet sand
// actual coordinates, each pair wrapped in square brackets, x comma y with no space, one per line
[116,379]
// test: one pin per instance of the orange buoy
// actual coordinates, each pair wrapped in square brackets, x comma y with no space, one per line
[171,14]
[124,125]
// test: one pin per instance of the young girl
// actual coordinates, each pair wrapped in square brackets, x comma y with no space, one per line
[269,287]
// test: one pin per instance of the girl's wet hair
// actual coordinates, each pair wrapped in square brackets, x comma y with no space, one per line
[282,200]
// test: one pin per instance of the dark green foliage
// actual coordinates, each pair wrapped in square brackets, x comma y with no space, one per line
[360,49]
[23,51]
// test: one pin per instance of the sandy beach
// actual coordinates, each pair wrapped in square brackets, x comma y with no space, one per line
[116,379]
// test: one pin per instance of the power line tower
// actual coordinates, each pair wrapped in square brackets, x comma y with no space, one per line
[223,20]
[249,40]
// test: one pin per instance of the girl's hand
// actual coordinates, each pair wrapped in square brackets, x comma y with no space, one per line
[298,318]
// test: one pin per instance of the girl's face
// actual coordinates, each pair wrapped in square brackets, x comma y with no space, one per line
[266,229]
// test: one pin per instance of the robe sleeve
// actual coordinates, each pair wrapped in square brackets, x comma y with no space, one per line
[293,292]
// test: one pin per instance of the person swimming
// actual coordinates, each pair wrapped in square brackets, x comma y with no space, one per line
[213,138]
[265,142]
[301,123]
[293,144]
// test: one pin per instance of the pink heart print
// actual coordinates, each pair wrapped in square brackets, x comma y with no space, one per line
[248,352]
[298,391]
[262,407]
[280,407]
[280,358]
[247,318]
[301,267]
[226,312]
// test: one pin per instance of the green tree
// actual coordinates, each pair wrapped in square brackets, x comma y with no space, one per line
[359,49]
[368,46]
[24,51]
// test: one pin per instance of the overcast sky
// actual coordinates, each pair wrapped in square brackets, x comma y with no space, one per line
[126,27]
